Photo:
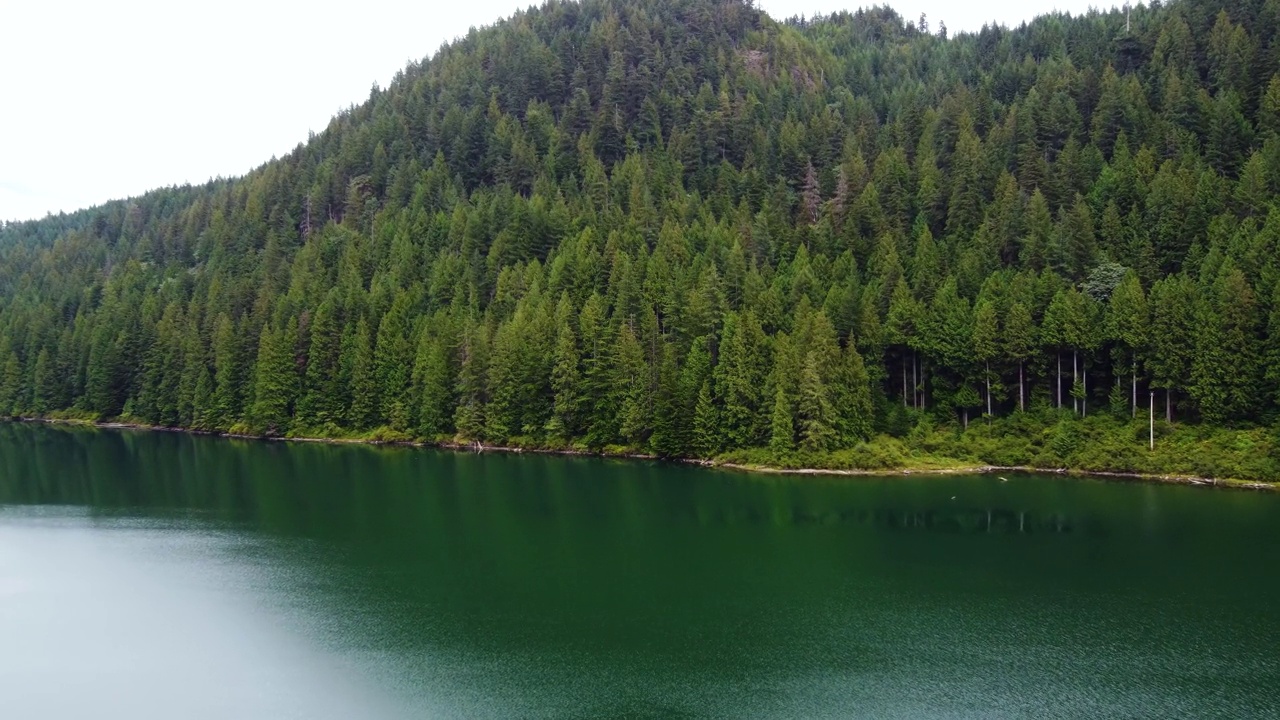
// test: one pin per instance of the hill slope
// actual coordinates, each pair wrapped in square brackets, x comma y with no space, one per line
[684,227]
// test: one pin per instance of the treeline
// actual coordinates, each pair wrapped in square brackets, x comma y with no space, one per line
[685,228]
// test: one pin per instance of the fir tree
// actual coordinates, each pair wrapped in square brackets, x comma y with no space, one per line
[781,425]
[707,437]
[986,343]
[1225,373]
[227,374]
[357,362]
[10,384]
[273,381]
[565,383]
[1019,343]
[433,371]
[817,417]
[1127,321]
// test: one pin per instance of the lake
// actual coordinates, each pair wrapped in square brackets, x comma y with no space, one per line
[159,575]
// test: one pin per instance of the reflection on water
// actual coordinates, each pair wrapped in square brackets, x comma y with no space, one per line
[462,585]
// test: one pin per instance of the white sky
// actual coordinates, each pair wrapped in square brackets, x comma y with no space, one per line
[104,99]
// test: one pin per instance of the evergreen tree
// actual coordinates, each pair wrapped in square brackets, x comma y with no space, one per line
[565,383]
[1019,343]
[434,375]
[817,417]
[357,363]
[1127,319]
[707,435]
[392,362]
[42,382]
[321,401]
[469,416]
[227,375]
[851,395]
[986,343]
[273,381]
[1272,358]
[631,389]
[740,377]
[1173,335]
[10,384]
[1225,372]
[781,425]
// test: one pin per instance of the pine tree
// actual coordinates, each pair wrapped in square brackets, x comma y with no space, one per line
[392,362]
[503,412]
[193,363]
[227,374]
[273,382]
[202,406]
[321,402]
[1269,110]
[966,397]
[1225,372]
[10,383]
[851,396]
[631,389]
[707,437]
[964,210]
[986,343]
[903,330]
[1019,343]
[157,400]
[469,416]
[1127,324]
[817,417]
[1053,334]
[1034,253]
[740,378]
[42,382]
[1173,335]
[357,361]
[599,396]
[811,197]
[435,381]
[565,383]
[1272,350]
[781,426]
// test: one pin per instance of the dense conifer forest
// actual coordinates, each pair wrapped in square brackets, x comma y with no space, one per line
[685,228]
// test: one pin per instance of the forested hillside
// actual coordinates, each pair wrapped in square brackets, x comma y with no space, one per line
[686,228]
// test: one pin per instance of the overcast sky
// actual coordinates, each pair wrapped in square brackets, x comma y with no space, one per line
[110,98]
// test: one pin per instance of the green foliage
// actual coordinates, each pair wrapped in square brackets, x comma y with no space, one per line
[685,228]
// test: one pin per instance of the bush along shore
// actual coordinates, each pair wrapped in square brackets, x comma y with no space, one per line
[1101,446]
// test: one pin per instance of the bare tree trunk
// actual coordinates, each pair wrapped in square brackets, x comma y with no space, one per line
[988,364]
[1059,380]
[1075,378]
[904,381]
[1084,386]
[1134,368]
[924,395]
[1021,393]
[1168,405]
[917,395]
[1152,426]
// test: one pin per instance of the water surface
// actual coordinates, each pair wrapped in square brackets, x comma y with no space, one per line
[154,575]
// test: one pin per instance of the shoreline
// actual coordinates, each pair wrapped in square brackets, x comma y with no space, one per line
[976,469]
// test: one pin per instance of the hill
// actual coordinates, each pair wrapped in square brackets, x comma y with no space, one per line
[686,228]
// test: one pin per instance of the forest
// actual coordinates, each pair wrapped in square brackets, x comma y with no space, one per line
[684,228]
